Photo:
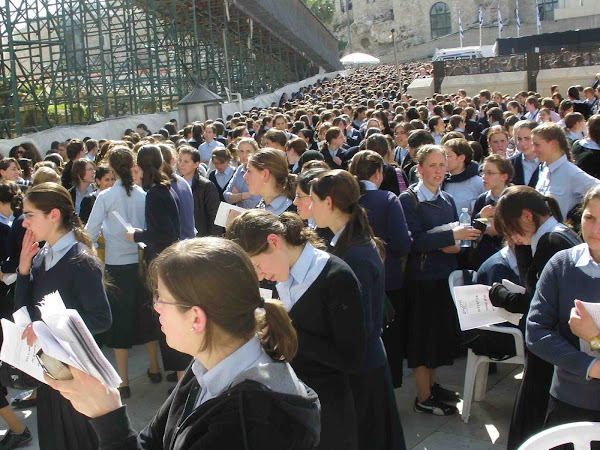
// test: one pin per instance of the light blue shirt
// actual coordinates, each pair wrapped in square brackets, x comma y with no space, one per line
[509,256]
[574,136]
[278,206]
[333,152]
[225,177]
[369,185]
[6,220]
[336,236]
[53,254]
[424,194]
[437,138]
[214,381]
[400,154]
[240,184]
[551,224]
[119,251]
[465,192]
[529,168]
[79,197]
[206,149]
[584,261]
[303,274]
[532,115]
[588,143]
[566,182]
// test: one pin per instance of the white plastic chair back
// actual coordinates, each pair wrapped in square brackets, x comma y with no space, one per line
[580,434]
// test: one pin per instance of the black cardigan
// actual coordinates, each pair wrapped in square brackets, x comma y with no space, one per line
[519,178]
[587,159]
[206,205]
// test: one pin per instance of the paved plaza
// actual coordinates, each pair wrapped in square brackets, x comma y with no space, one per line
[487,428]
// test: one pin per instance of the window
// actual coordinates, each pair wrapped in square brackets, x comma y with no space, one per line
[546,8]
[441,24]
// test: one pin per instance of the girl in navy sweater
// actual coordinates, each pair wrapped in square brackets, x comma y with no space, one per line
[323,299]
[432,316]
[335,195]
[67,264]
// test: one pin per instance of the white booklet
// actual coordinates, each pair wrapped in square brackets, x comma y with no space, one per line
[226,213]
[475,309]
[127,226]
[593,310]
[61,334]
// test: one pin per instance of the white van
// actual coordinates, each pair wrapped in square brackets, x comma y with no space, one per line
[450,54]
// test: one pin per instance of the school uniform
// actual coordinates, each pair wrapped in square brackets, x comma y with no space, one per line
[488,245]
[278,205]
[6,300]
[586,155]
[526,172]
[433,324]
[328,155]
[77,197]
[238,182]
[550,238]
[501,265]
[323,298]
[221,180]
[206,205]
[183,190]
[87,203]
[464,187]
[68,268]
[570,274]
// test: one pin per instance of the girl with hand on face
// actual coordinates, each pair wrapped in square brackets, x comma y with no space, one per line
[237,190]
[559,177]
[323,299]
[532,222]
[333,150]
[335,198]
[240,391]
[432,315]
[268,175]
[557,319]
[67,264]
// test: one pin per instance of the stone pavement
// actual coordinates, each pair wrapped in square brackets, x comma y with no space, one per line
[487,427]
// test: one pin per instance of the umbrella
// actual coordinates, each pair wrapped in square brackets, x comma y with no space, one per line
[359,58]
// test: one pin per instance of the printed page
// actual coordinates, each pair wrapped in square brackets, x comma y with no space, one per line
[474,307]
[593,310]
[127,227]
[224,212]
[17,353]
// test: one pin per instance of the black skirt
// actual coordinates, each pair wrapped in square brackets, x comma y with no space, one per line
[433,324]
[394,335]
[134,321]
[60,427]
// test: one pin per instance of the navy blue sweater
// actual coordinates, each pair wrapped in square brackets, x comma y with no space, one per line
[548,333]
[426,261]
[386,217]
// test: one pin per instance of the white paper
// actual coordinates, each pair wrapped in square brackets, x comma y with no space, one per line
[17,353]
[475,309]
[21,317]
[9,278]
[444,227]
[266,294]
[223,213]
[593,310]
[127,226]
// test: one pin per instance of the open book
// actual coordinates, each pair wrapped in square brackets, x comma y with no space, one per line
[226,213]
[62,335]
[475,309]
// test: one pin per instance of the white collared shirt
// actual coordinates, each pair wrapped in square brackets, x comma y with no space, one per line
[52,254]
[424,194]
[551,224]
[584,261]
[336,236]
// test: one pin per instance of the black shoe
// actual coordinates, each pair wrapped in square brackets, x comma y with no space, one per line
[154,377]
[434,406]
[172,377]
[125,392]
[444,395]
[14,440]
[22,400]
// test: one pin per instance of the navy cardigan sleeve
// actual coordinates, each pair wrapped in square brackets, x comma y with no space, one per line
[399,241]
[162,219]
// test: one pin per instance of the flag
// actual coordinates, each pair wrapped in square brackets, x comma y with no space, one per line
[518,19]
[537,16]
[480,17]
[460,28]
[499,20]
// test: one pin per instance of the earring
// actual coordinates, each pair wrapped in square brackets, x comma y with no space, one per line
[192,329]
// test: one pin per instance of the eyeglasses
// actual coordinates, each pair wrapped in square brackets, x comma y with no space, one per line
[302,196]
[156,301]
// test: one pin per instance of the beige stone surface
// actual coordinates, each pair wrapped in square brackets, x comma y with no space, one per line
[421,88]
[506,83]
[565,78]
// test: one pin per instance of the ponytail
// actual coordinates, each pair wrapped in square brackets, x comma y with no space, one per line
[358,231]
[275,330]
[554,207]
[289,186]
[121,160]
[73,223]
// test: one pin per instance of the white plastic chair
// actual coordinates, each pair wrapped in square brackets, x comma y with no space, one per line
[477,365]
[580,434]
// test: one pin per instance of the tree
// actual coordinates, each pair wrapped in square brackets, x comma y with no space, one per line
[323,9]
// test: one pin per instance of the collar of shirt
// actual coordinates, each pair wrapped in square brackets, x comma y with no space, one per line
[278,205]
[336,236]
[584,261]
[549,225]
[510,258]
[214,381]
[490,196]
[530,162]
[369,185]
[556,164]
[53,254]
[333,152]
[6,220]
[303,273]
[424,194]
[588,143]
[574,136]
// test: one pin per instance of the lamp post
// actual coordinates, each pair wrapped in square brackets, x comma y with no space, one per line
[395,55]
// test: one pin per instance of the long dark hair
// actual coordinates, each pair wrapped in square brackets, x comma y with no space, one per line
[344,191]
[149,158]
[120,159]
[10,193]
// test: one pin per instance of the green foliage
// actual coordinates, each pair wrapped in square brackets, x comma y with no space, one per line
[323,9]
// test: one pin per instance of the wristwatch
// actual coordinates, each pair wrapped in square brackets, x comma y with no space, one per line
[595,343]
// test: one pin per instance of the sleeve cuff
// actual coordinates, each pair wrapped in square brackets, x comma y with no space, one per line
[587,372]
[113,427]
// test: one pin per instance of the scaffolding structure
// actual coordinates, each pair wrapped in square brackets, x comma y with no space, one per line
[80,61]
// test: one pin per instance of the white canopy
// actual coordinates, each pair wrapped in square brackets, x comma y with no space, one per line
[359,58]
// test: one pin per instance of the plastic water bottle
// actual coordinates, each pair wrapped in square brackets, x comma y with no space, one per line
[465,221]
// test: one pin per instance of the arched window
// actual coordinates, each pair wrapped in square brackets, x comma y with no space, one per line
[441,24]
